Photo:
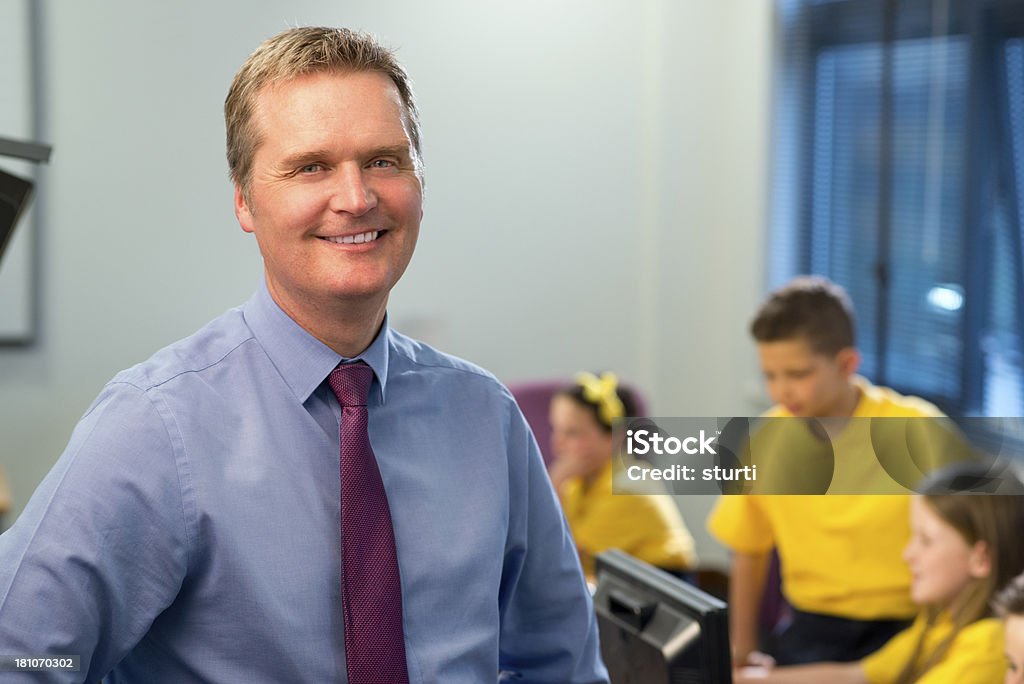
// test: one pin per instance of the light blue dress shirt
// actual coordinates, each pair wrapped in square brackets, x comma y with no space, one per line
[191,530]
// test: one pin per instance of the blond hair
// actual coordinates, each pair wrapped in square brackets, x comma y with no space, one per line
[296,52]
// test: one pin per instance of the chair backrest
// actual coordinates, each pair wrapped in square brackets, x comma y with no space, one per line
[534,399]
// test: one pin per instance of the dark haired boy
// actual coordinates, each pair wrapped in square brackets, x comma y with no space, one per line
[840,555]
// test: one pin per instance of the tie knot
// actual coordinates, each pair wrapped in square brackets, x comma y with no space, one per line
[351,383]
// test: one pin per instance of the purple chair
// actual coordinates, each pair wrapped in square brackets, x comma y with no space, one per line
[775,609]
[534,398]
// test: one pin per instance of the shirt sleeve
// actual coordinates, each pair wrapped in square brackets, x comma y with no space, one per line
[548,625]
[886,663]
[101,548]
[742,524]
[637,524]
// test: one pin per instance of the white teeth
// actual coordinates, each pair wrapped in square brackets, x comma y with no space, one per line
[354,239]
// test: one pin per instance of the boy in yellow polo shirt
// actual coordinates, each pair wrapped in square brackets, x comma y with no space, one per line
[839,554]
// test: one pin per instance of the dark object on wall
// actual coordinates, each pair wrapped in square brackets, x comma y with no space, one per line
[16,192]
[14,196]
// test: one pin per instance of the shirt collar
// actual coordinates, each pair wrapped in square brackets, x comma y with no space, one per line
[301,359]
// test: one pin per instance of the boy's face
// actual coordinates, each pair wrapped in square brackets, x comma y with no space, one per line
[807,383]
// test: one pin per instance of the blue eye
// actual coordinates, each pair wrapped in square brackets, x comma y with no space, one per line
[382,163]
[309,169]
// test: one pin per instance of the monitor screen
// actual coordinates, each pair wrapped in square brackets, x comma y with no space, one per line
[656,628]
[14,196]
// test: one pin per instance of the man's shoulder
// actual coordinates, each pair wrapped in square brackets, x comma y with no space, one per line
[207,347]
[413,355]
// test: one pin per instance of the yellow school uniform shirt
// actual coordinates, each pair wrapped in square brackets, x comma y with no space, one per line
[840,554]
[646,526]
[976,654]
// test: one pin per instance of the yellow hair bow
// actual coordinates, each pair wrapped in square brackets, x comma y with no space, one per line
[600,391]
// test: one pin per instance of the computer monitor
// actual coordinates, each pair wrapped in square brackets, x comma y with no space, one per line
[15,192]
[656,628]
[14,196]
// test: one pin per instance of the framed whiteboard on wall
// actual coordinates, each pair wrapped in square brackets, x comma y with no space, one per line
[17,97]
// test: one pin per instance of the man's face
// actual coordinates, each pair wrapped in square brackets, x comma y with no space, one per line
[806,383]
[335,198]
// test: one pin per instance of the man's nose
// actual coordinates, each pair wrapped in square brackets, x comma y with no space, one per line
[352,195]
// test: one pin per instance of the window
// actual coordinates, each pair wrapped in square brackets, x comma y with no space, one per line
[899,173]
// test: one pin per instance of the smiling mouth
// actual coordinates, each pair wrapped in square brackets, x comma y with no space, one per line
[357,239]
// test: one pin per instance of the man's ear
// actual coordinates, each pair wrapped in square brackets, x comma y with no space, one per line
[848,360]
[979,563]
[242,211]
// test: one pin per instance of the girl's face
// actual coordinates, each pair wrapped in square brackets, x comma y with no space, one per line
[1015,649]
[942,563]
[576,437]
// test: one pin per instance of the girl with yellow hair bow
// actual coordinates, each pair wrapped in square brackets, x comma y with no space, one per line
[644,524]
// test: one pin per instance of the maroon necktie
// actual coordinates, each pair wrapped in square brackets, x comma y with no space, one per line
[371,589]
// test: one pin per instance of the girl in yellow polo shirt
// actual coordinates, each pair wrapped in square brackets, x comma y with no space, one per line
[648,527]
[962,548]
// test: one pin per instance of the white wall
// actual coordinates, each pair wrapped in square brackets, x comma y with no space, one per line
[596,181]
